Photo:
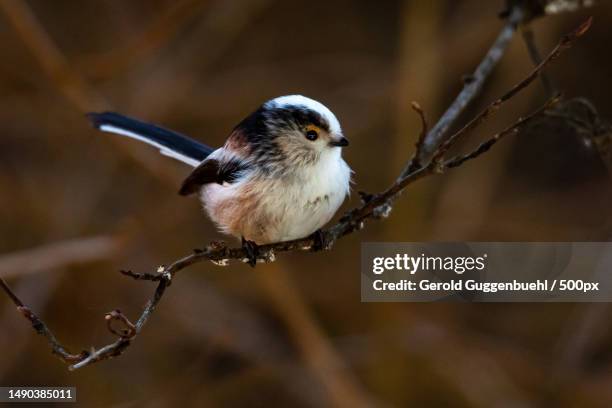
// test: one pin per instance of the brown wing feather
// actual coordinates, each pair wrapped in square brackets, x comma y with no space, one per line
[207,172]
[213,171]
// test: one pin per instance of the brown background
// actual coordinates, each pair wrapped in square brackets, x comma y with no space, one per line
[293,332]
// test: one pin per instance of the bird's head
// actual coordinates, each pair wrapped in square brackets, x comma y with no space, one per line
[293,130]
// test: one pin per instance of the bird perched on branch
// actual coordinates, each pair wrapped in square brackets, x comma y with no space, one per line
[279,176]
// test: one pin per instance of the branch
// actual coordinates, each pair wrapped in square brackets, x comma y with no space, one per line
[373,206]
[536,58]
[472,87]
[565,43]
[514,128]
[415,163]
[41,328]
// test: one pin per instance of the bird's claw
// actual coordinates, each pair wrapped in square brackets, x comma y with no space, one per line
[252,251]
[319,241]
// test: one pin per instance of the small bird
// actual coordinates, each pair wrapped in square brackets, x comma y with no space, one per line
[279,176]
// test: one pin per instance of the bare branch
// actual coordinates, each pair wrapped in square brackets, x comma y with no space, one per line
[514,128]
[41,328]
[415,162]
[472,87]
[116,316]
[10,293]
[536,57]
[565,43]
[116,349]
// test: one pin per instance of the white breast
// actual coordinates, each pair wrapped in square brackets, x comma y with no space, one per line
[283,209]
[314,200]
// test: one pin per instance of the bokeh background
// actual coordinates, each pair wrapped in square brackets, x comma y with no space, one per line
[76,206]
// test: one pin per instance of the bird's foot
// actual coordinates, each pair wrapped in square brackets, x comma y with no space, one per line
[252,251]
[319,240]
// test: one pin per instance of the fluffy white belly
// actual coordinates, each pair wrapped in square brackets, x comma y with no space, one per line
[303,217]
[266,211]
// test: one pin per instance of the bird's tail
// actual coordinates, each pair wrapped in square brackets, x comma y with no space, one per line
[169,143]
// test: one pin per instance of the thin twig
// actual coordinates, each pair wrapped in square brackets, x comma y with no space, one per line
[41,328]
[116,349]
[142,276]
[415,163]
[472,87]
[116,316]
[536,57]
[10,293]
[565,43]
[514,128]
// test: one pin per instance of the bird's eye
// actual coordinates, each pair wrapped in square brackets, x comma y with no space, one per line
[312,135]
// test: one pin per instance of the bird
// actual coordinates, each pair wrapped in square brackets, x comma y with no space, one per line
[279,176]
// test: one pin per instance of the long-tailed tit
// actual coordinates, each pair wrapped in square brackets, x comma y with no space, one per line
[279,176]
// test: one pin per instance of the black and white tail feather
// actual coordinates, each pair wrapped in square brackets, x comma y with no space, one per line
[169,143]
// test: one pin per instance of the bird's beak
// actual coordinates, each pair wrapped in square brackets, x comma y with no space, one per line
[341,142]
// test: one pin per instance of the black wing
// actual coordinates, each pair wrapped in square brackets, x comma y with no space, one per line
[211,171]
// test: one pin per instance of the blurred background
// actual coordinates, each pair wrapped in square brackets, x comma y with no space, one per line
[77,205]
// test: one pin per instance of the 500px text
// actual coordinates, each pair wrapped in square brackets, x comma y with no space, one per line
[487,287]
